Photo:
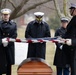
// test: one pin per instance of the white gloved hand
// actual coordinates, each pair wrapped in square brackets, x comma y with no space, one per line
[69,42]
[61,47]
[4,42]
[61,41]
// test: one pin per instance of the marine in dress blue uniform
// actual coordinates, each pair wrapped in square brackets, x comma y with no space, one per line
[59,57]
[69,46]
[7,29]
[37,29]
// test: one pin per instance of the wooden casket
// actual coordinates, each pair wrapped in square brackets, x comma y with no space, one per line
[34,66]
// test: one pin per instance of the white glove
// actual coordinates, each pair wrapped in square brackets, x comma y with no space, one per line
[4,42]
[69,42]
[61,47]
[61,41]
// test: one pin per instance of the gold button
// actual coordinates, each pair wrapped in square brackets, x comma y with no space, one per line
[3,33]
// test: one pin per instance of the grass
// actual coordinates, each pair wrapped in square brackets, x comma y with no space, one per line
[50,51]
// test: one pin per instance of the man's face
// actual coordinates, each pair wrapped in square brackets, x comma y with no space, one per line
[5,17]
[39,18]
[64,24]
[72,11]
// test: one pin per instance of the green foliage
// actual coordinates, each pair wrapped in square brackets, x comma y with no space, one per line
[54,22]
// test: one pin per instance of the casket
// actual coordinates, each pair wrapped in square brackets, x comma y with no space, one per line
[34,66]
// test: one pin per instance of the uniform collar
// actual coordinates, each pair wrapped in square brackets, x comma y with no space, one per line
[6,22]
[63,28]
[40,23]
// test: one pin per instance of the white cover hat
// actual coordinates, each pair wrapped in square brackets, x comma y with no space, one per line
[38,13]
[73,6]
[64,19]
[5,11]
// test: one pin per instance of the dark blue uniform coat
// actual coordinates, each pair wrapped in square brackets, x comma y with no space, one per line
[36,30]
[70,51]
[7,55]
[59,57]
